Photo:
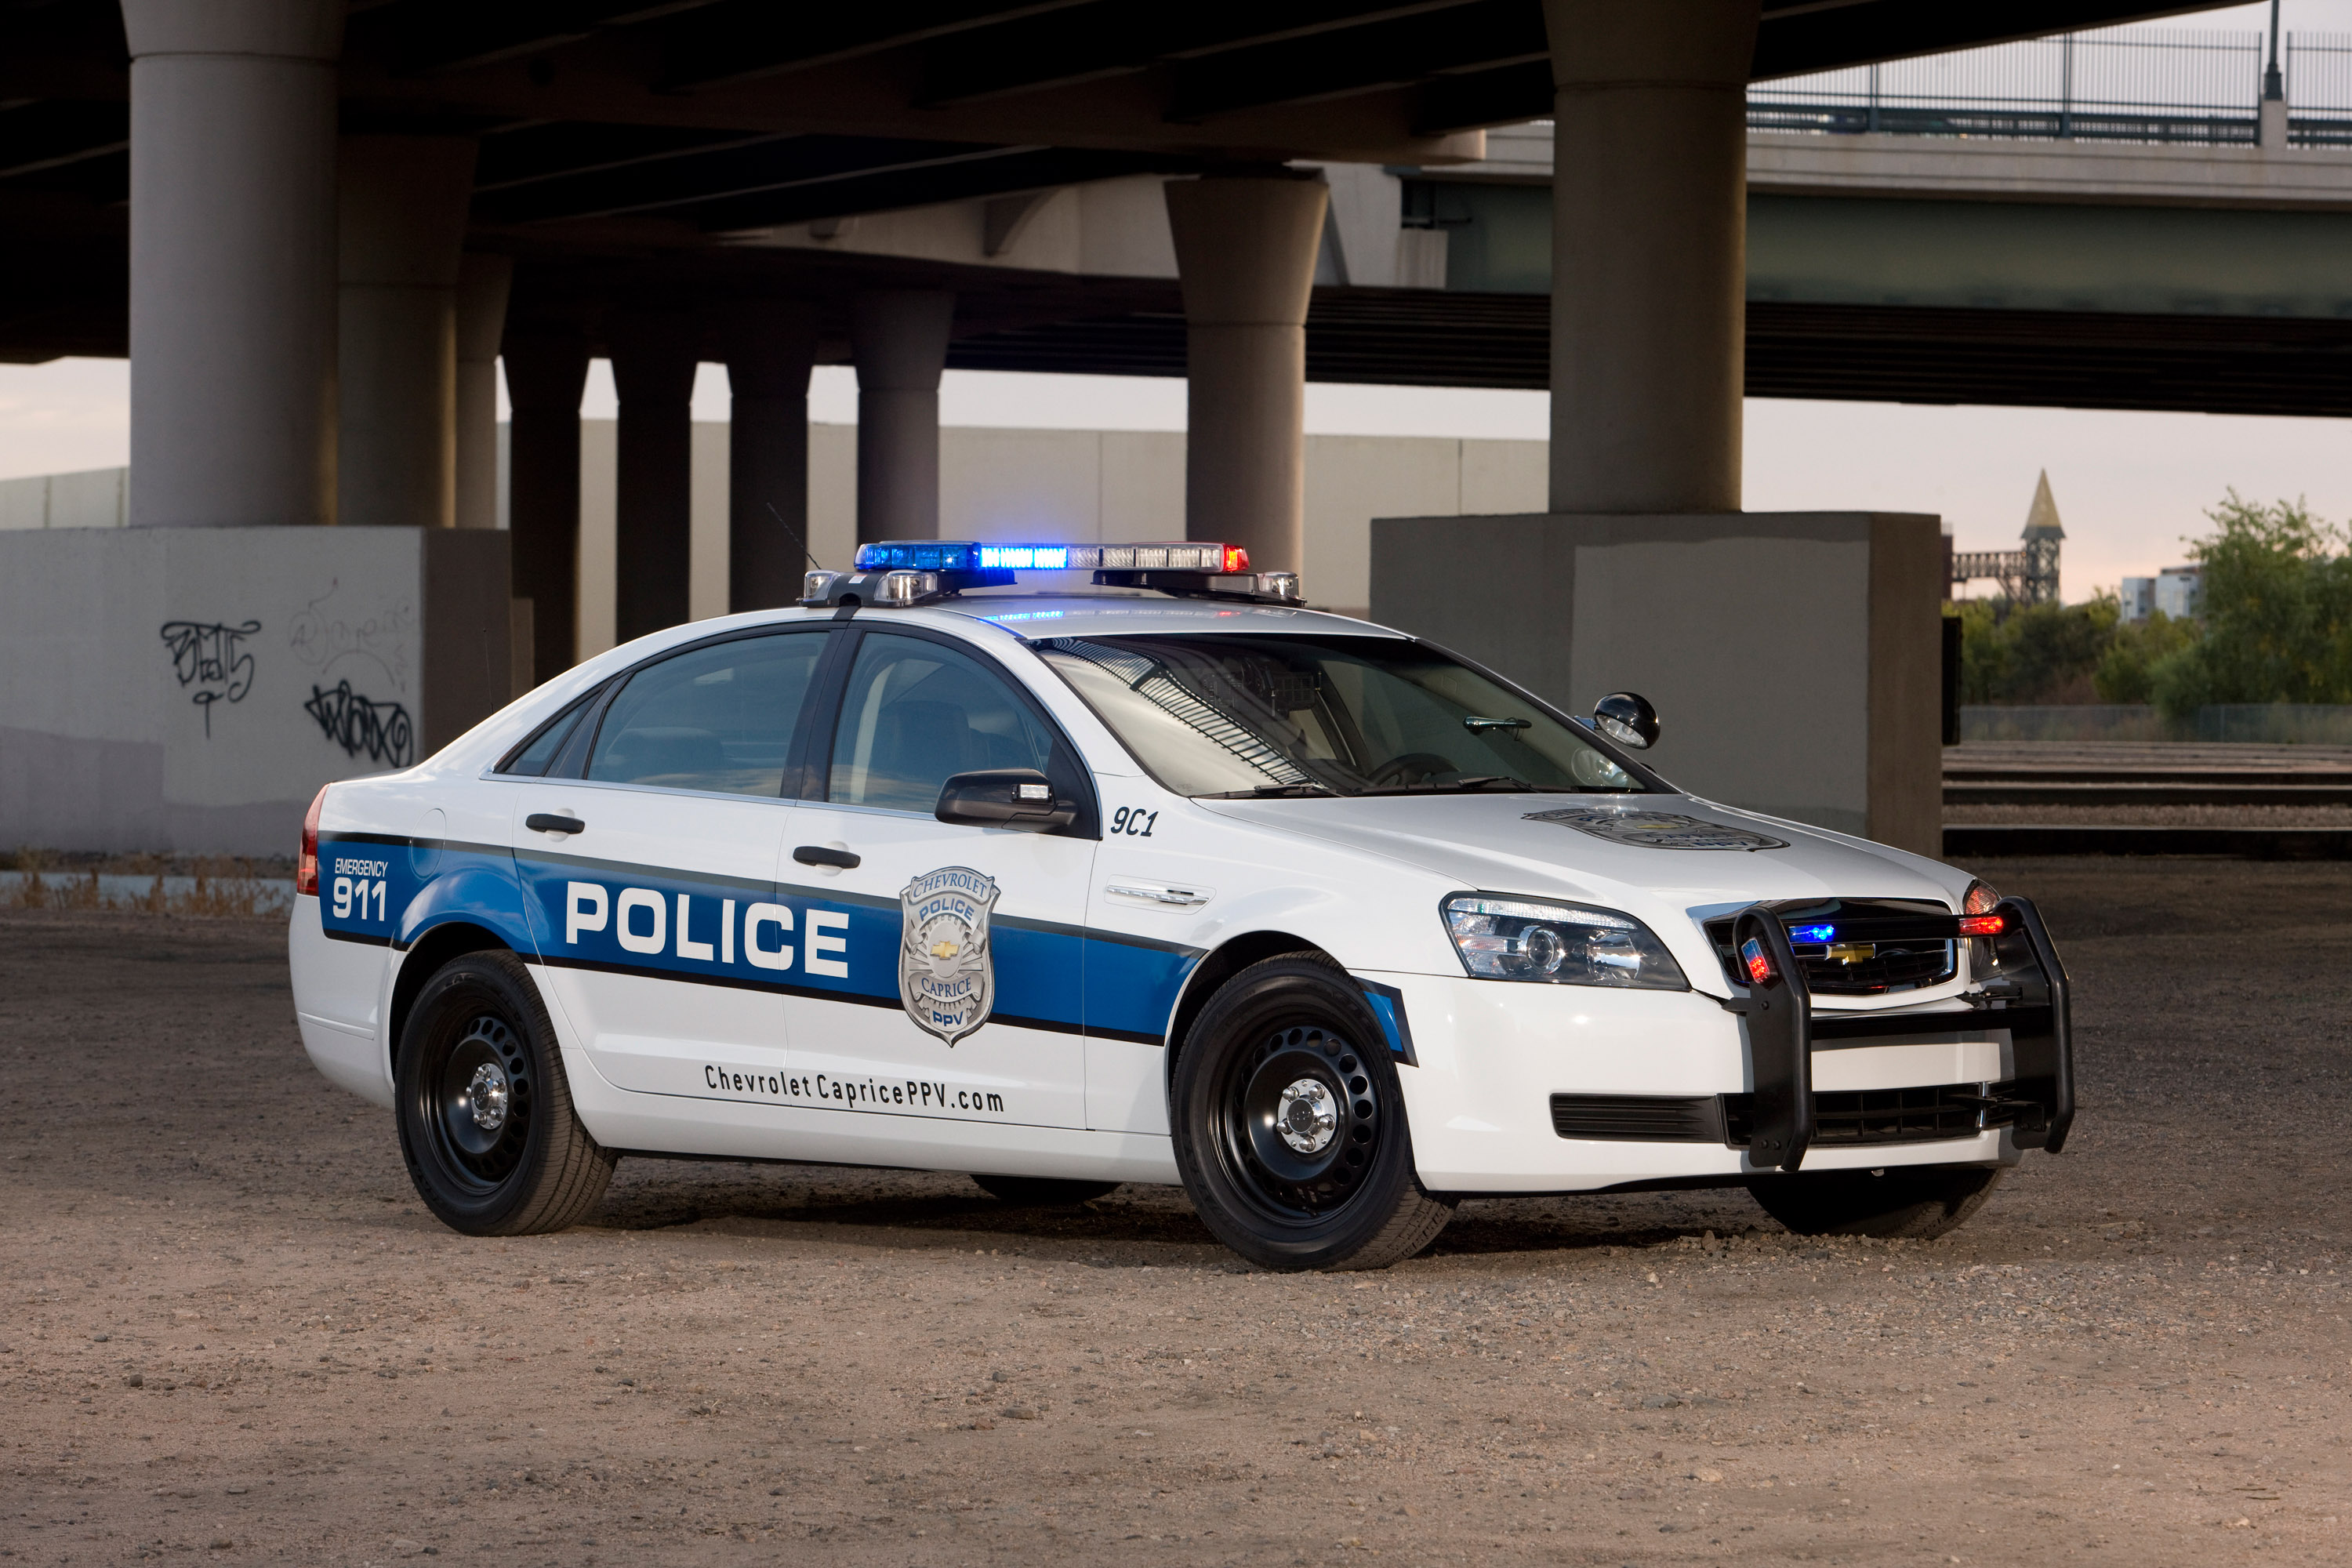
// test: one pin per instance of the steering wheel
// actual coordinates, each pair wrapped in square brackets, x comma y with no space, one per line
[1410,768]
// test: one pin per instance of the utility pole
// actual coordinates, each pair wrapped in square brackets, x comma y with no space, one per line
[2274,84]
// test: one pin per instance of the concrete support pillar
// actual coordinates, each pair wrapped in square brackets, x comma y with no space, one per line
[1649,252]
[770,347]
[654,356]
[899,339]
[1245,248]
[483,282]
[546,374]
[403,223]
[233,260]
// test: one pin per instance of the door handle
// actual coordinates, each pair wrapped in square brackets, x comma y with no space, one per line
[550,822]
[818,855]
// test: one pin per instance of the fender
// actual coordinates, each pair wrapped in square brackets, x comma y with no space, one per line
[479,888]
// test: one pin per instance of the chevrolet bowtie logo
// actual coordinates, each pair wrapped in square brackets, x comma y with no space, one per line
[1853,951]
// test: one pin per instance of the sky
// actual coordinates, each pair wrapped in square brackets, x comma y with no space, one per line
[2130,487]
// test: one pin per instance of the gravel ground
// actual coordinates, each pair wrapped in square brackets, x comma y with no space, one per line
[230,1333]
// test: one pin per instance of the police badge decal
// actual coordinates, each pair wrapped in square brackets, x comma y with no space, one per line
[947,973]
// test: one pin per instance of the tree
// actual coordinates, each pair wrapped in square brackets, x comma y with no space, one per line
[2277,613]
[2126,671]
[2031,653]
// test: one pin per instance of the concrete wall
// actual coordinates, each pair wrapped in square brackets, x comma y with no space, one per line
[94,498]
[1793,656]
[1078,486]
[1074,486]
[191,689]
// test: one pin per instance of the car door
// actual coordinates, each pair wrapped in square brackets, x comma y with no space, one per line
[942,978]
[649,874]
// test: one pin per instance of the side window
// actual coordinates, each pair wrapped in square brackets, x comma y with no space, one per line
[717,718]
[538,755]
[918,712]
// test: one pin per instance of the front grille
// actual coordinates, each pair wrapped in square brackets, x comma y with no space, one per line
[1638,1118]
[1853,969]
[1873,1115]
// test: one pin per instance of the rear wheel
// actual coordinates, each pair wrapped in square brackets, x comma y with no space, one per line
[1290,1126]
[485,1112]
[1918,1201]
[1044,1192]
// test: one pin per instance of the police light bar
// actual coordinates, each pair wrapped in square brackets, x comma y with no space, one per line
[970,555]
[908,572]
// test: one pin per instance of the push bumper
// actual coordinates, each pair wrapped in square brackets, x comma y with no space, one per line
[2025,995]
[1543,1089]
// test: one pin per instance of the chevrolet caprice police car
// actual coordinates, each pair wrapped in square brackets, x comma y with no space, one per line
[1169,880]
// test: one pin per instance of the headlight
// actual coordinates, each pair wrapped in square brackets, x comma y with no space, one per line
[1558,945]
[1980,899]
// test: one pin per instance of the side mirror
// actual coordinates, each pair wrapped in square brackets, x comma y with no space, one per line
[1627,718]
[1022,799]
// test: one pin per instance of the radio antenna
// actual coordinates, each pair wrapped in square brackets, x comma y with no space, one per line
[795,532]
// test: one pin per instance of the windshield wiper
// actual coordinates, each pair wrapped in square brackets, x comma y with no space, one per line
[1270,792]
[1474,782]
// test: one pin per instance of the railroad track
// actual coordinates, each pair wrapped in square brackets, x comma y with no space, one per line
[2082,779]
[2176,790]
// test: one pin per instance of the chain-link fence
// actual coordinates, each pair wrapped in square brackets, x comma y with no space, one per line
[2267,723]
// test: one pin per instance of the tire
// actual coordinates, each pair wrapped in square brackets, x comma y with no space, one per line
[1044,1192]
[485,1112]
[1920,1202]
[1288,1177]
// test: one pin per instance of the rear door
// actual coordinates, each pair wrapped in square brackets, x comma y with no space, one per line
[942,972]
[650,874]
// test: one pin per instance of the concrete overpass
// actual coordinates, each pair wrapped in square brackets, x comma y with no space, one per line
[339,214]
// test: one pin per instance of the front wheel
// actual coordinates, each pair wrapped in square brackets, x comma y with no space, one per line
[1290,1127]
[1917,1201]
[485,1112]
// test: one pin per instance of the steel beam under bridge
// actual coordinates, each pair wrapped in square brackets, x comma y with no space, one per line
[2195,278]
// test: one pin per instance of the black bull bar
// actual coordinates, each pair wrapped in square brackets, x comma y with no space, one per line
[2026,994]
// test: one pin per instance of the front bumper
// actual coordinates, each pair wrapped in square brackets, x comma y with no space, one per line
[1535,1088]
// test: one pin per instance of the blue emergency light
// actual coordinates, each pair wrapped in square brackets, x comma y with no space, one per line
[1812,933]
[910,572]
[971,555]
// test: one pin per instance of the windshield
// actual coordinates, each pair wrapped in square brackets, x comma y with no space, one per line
[1223,714]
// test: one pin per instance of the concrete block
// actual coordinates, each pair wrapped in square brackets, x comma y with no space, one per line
[190,689]
[1793,656]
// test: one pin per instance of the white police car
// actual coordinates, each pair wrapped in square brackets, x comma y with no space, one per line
[1180,881]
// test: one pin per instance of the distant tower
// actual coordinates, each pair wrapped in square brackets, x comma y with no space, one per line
[2038,583]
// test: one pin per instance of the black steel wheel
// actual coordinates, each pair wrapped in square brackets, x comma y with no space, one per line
[1044,1192]
[1920,1202]
[1290,1126]
[486,1121]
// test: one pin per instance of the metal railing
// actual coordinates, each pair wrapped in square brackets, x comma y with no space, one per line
[2139,85]
[2318,68]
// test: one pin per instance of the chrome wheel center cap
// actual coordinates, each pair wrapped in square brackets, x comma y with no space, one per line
[487,1096]
[1307,1118]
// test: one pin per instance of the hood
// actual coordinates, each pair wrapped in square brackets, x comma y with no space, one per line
[1670,860]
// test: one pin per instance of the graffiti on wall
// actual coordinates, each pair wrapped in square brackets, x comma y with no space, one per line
[210,657]
[325,635]
[381,731]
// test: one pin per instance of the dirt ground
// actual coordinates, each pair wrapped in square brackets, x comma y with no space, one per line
[228,1331]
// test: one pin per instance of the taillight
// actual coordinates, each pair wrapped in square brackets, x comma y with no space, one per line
[306,865]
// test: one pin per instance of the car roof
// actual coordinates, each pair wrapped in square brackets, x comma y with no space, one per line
[1111,614]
